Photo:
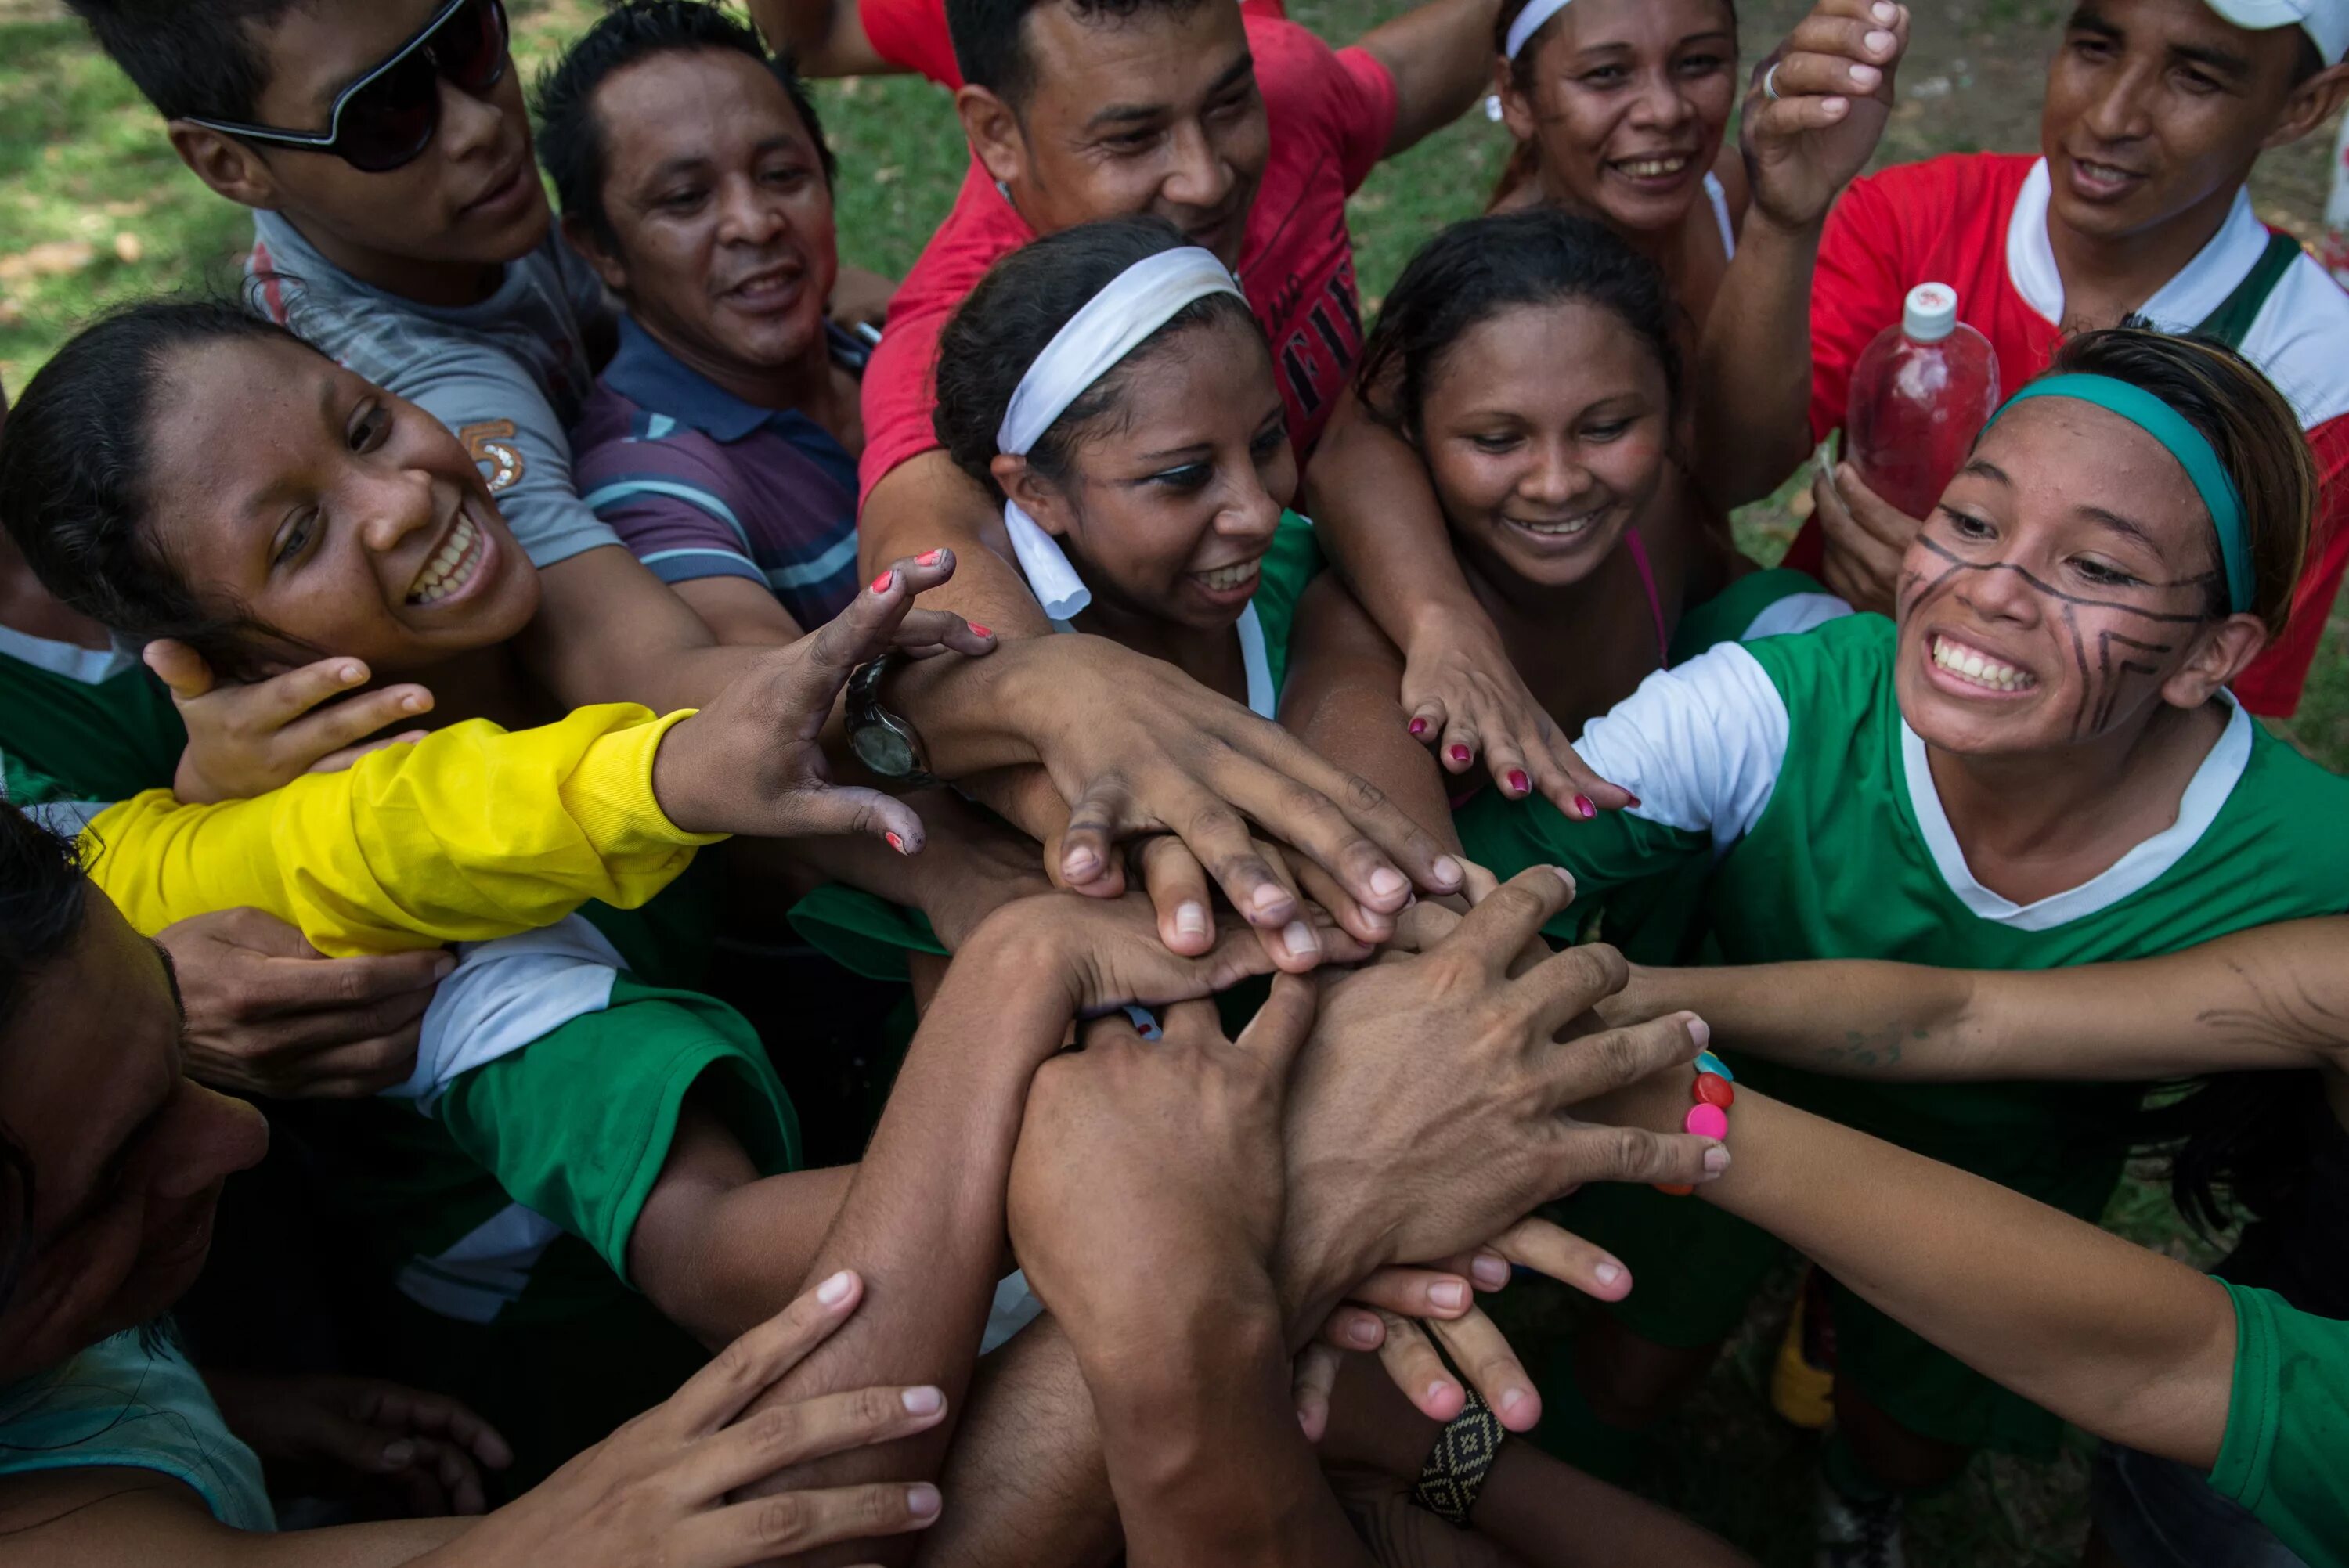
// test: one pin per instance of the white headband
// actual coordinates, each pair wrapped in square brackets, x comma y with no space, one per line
[1529,22]
[1112,324]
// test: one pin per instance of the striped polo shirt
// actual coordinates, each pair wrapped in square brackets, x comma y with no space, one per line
[698,483]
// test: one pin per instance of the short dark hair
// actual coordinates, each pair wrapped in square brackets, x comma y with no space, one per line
[44,898]
[1478,268]
[74,459]
[570,135]
[990,40]
[1004,324]
[189,57]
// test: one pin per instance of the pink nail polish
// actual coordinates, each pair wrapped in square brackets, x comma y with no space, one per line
[1419,726]
[895,842]
[1582,804]
[1518,781]
[1635,801]
[978,630]
[929,557]
[881,584]
[1460,754]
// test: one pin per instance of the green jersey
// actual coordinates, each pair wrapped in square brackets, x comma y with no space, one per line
[2286,1455]
[77,724]
[1787,763]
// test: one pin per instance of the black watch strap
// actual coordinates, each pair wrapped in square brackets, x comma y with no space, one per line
[1454,1475]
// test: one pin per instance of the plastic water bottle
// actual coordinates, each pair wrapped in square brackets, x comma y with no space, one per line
[1921,394]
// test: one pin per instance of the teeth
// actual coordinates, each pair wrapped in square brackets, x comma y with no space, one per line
[1652,167]
[1981,670]
[1570,527]
[1227,577]
[452,566]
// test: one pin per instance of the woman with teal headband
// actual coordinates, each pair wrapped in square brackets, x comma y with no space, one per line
[2037,764]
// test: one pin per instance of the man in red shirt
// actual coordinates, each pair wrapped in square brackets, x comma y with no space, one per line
[2155,112]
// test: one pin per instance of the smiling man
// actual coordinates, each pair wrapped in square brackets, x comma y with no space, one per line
[721,442]
[2155,111]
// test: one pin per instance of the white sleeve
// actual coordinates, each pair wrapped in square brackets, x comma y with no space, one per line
[1700,745]
[1795,613]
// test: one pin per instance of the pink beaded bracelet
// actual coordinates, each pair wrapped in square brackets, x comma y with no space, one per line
[1709,1116]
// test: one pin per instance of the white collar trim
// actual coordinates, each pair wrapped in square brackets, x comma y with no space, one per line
[2185,301]
[2205,796]
[90,667]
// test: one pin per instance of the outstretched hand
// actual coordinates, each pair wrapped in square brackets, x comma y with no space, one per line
[750,761]
[1467,699]
[1832,81]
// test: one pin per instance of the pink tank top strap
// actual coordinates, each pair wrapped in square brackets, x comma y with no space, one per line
[1655,604]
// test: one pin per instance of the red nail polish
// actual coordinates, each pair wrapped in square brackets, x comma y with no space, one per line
[980,630]
[1518,781]
[1635,801]
[1459,754]
[881,583]
[895,842]
[929,557]
[1419,726]
[1582,804]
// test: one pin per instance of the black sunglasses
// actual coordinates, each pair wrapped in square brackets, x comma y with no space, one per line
[389,117]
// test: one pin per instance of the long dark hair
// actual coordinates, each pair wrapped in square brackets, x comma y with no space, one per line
[76,461]
[44,898]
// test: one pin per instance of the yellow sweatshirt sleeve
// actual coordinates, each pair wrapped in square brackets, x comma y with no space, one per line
[471,833]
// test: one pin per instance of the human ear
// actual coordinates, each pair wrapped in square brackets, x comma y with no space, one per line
[230,168]
[2218,653]
[590,246]
[1037,496]
[1516,108]
[2310,105]
[994,132]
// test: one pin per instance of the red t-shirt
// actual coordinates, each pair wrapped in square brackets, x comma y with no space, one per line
[1978,221]
[912,34]
[1331,113]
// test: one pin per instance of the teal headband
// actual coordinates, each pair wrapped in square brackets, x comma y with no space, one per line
[2186,444]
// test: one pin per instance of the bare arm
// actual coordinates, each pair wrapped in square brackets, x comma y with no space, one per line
[2275,998]
[607,630]
[104,1517]
[1341,699]
[1802,148]
[824,37]
[2125,1343]
[1441,56]
[927,501]
[738,611]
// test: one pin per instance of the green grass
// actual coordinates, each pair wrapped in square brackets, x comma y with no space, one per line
[83,164]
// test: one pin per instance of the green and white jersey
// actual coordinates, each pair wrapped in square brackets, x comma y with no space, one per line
[2286,1455]
[1787,762]
[79,724]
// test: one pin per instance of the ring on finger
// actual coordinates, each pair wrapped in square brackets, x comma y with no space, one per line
[1770,82]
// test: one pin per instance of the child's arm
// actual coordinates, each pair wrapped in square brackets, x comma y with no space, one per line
[2270,998]
[2125,1343]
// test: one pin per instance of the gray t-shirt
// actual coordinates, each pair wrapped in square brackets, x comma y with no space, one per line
[507,375]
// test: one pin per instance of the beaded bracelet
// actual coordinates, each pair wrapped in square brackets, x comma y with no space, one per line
[1708,1117]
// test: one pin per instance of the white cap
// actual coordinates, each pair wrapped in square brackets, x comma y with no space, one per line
[1930,313]
[2326,21]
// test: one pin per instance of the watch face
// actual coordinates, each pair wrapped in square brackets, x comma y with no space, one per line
[884,751]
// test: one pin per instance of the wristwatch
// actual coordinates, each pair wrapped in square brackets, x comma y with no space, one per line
[883,741]
[1456,1466]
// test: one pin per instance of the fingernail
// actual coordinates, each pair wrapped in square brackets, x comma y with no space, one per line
[1634,800]
[1582,804]
[1298,938]
[1268,897]
[980,631]
[835,1291]
[1447,871]
[1865,77]
[1386,882]
[929,557]
[1876,43]
[444,966]
[399,1455]
[1716,1159]
[1364,1332]
[1700,1031]
[1490,1272]
[895,842]
[922,1501]
[883,583]
[1083,865]
[1833,108]
[1608,1274]
[1884,12]
[1438,1389]
[1419,726]
[412,703]
[1191,919]
[1512,1398]
[1565,876]
[1451,1294]
[1518,782]
[348,674]
[923,1401]
[1458,754]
